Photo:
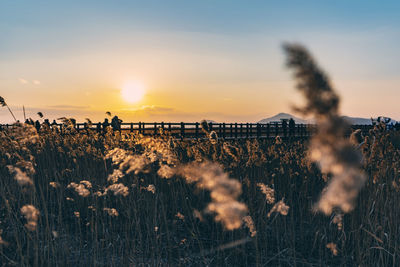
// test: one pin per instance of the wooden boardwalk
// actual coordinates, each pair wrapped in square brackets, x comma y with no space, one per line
[223,130]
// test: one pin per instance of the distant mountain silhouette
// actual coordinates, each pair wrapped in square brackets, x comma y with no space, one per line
[359,121]
[351,120]
[280,116]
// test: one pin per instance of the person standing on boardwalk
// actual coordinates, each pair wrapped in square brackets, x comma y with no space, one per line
[292,126]
[46,122]
[116,123]
[284,127]
[105,124]
[37,125]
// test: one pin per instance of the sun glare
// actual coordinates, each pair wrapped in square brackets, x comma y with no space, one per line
[132,92]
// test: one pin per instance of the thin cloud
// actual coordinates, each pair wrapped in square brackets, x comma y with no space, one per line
[36,82]
[23,81]
[68,107]
[150,110]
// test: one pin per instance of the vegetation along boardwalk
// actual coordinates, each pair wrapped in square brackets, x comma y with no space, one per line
[186,130]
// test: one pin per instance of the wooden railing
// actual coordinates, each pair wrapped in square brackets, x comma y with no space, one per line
[194,131]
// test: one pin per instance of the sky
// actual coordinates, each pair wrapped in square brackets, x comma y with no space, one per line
[208,59]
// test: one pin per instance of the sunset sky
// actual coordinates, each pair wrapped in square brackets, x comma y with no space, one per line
[207,59]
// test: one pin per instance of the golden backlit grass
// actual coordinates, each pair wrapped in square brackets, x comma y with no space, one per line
[162,201]
[112,199]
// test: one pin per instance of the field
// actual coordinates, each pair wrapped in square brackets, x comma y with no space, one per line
[112,198]
[101,201]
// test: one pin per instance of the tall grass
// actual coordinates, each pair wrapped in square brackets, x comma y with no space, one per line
[330,147]
[167,212]
[85,198]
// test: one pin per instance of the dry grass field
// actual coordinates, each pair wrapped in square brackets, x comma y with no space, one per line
[112,199]
[95,200]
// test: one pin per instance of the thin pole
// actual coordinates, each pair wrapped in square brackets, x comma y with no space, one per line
[23,107]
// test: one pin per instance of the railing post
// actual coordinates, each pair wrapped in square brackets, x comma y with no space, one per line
[241,130]
[231,130]
[131,127]
[258,130]
[223,130]
[162,127]
[236,130]
[210,126]
[140,127]
[182,130]
[155,128]
[196,131]
[247,130]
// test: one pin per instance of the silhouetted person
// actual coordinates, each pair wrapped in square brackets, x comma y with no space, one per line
[292,126]
[105,124]
[27,121]
[46,125]
[116,123]
[284,128]
[98,127]
[37,125]
[54,126]
[73,121]
[397,126]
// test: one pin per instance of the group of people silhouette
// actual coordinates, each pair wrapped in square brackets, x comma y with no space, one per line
[38,125]
[115,124]
[292,126]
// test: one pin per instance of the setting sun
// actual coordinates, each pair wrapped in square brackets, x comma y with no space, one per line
[132,92]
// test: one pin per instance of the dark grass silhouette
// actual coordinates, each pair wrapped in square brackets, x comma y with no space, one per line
[330,148]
